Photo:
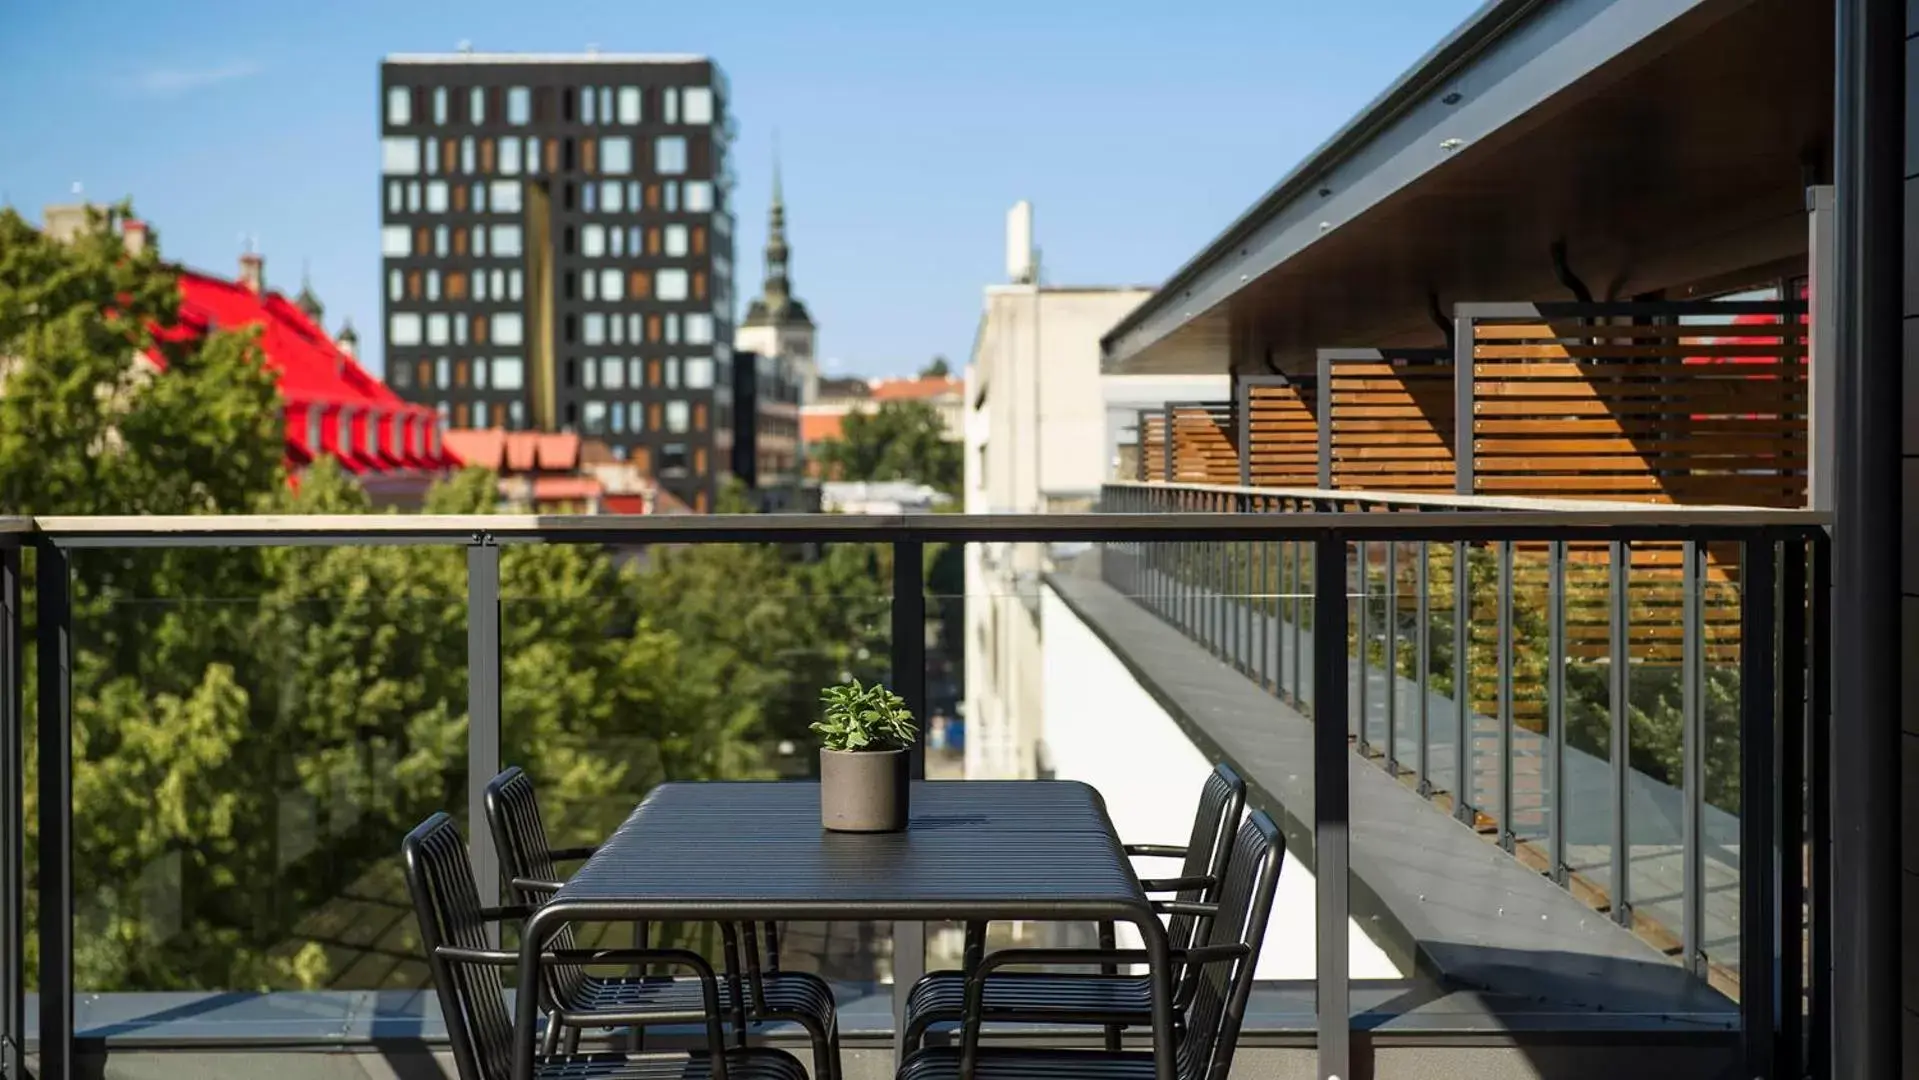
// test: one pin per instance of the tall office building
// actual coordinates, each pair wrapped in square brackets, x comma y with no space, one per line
[558,250]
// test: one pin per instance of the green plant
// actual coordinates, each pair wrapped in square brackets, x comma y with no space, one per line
[859,717]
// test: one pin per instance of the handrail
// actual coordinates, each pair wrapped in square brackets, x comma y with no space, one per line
[1492,519]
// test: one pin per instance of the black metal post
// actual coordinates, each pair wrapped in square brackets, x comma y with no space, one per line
[1331,780]
[909,682]
[1556,711]
[53,587]
[1819,812]
[1692,726]
[1868,160]
[13,1020]
[1505,707]
[1758,907]
[1462,687]
[1789,762]
[482,710]
[1392,658]
[1618,653]
[1422,663]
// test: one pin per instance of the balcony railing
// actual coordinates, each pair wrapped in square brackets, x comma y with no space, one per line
[1272,594]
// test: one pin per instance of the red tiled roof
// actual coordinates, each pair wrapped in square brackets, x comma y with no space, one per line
[357,417]
[516,451]
[918,389]
[820,427]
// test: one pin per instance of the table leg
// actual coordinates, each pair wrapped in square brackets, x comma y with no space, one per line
[526,1003]
[1159,959]
[909,963]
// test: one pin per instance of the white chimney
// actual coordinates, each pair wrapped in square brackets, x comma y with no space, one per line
[1019,243]
[134,233]
[253,272]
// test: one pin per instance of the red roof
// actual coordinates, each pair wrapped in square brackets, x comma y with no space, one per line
[507,452]
[920,389]
[820,427]
[333,405]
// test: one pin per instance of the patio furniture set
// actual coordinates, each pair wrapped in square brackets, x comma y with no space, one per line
[747,857]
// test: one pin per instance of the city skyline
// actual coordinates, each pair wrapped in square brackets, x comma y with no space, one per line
[898,163]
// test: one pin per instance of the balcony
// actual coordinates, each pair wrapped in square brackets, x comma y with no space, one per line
[221,833]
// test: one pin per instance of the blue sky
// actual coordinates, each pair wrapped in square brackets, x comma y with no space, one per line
[1138,130]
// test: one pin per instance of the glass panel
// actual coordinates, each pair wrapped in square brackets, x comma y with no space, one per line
[1587,782]
[1442,739]
[1719,817]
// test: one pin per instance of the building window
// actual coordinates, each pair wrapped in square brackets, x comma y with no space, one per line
[468,156]
[699,329]
[586,105]
[612,372]
[395,283]
[698,373]
[594,415]
[611,196]
[593,329]
[676,245]
[507,328]
[436,329]
[509,373]
[616,417]
[439,106]
[592,376]
[670,102]
[673,459]
[399,106]
[606,104]
[404,329]
[696,105]
[432,284]
[439,241]
[442,373]
[699,196]
[629,104]
[616,241]
[506,240]
[479,240]
[505,196]
[476,106]
[672,328]
[593,241]
[396,241]
[395,196]
[616,155]
[400,156]
[436,196]
[672,196]
[610,279]
[516,414]
[672,373]
[509,157]
[512,284]
[519,105]
[670,284]
[533,155]
[669,155]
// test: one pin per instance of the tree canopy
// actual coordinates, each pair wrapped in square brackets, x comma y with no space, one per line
[900,440]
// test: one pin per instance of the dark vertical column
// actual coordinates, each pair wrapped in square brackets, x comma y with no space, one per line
[482,711]
[1819,810]
[1789,763]
[1758,898]
[1331,780]
[909,682]
[53,590]
[1618,659]
[1323,406]
[13,1021]
[1869,131]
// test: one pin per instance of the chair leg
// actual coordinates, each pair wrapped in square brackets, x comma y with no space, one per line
[572,1040]
[1109,940]
[550,1038]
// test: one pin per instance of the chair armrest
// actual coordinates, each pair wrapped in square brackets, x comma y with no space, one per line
[502,914]
[1177,884]
[1196,958]
[709,984]
[572,854]
[1186,907]
[1157,851]
[535,885]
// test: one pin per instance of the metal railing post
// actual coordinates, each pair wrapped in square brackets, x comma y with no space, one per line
[1392,658]
[1362,663]
[1789,761]
[1693,757]
[1758,908]
[1618,658]
[1819,779]
[483,711]
[908,648]
[1556,711]
[1505,709]
[13,956]
[1331,779]
[53,590]
[1422,674]
[1462,687]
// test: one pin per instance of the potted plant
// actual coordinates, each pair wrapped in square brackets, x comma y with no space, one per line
[865,734]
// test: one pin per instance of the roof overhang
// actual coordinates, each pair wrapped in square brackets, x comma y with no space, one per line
[1529,121]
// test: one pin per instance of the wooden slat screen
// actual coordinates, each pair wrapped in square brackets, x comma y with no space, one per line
[1389,419]
[1282,431]
[1152,446]
[1204,435]
[1700,403]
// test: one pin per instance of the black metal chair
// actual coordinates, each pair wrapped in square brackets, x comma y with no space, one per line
[467,974]
[531,868]
[1211,995]
[1104,999]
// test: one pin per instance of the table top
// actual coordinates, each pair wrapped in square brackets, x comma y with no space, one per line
[973,849]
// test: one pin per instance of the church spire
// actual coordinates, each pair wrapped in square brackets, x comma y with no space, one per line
[777,286]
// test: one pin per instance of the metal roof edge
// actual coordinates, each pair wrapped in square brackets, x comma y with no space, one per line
[1481,29]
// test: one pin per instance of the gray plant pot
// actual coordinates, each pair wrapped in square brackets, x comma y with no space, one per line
[863,791]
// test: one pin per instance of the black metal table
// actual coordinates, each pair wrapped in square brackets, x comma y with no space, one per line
[977,850]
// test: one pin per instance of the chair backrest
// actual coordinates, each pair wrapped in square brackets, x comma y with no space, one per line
[1209,849]
[1245,903]
[519,835]
[439,875]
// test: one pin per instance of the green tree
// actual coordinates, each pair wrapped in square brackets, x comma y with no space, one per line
[938,369]
[901,440]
